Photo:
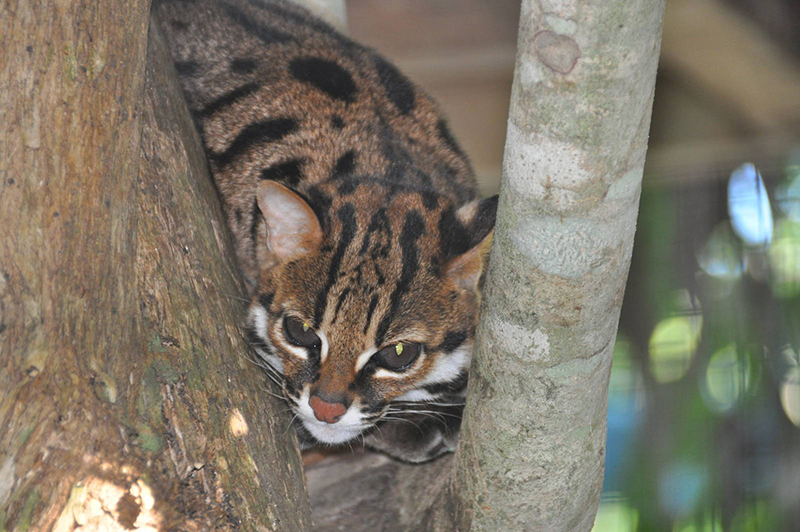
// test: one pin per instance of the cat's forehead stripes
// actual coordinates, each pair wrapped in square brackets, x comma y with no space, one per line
[346,216]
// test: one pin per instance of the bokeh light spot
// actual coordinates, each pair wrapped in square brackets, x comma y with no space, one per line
[672,346]
[727,378]
[720,256]
[790,394]
[748,206]
[784,259]
[680,487]
[615,515]
[787,195]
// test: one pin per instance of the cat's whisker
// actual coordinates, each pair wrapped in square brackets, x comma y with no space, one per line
[271,372]
[388,418]
[428,412]
[256,362]
[424,403]
[291,422]
[273,394]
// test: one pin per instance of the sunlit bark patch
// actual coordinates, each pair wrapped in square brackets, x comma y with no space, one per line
[100,505]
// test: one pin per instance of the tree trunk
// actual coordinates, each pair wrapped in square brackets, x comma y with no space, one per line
[532,445]
[127,398]
[577,137]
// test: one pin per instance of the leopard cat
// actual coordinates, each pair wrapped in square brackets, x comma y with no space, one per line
[355,219]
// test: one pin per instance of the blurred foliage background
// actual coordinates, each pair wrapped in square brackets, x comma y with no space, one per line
[704,403]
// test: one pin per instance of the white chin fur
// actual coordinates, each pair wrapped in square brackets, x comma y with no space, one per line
[331,434]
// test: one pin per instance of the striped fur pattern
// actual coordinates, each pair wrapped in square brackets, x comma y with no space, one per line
[353,211]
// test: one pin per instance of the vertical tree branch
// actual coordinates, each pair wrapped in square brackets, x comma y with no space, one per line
[334,12]
[533,438]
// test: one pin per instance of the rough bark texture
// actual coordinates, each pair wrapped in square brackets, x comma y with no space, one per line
[577,136]
[126,397]
[532,446]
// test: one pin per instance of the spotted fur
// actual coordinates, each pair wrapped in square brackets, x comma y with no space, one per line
[353,210]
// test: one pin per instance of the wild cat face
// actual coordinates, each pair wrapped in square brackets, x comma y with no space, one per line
[366,298]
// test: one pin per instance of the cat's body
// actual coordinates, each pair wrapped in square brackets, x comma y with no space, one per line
[354,217]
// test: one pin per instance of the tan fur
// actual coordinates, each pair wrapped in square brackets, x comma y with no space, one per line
[352,208]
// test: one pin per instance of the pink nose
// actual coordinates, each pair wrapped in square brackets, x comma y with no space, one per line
[325,411]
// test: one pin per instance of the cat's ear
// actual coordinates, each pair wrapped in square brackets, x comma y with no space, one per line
[292,227]
[478,218]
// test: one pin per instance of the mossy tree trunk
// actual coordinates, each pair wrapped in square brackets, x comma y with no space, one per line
[532,446]
[127,399]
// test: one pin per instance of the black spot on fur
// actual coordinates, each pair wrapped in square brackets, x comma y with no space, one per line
[344,165]
[435,267]
[179,25]
[320,203]
[226,100]
[326,76]
[429,200]
[238,214]
[256,341]
[263,33]
[288,172]
[413,228]
[453,236]
[452,341]
[455,386]
[291,389]
[347,186]
[399,90]
[243,66]
[256,133]
[187,68]
[337,122]
[484,219]
[255,219]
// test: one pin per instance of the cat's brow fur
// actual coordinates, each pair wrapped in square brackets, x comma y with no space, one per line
[278,95]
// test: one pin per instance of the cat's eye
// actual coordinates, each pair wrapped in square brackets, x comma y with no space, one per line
[397,357]
[300,332]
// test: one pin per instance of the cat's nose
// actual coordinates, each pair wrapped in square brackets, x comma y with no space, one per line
[325,411]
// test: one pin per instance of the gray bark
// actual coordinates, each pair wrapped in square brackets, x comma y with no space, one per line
[533,437]
[532,446]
